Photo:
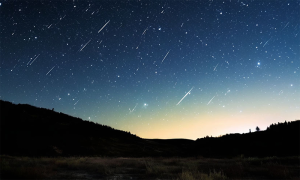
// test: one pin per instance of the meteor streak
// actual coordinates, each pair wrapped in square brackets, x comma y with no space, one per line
[184,96]
[104,26]
[50,70]
[216,67]
[285,26]
[145,31]
[165,56]
[34,59]
[76,102]
[30,62]
[210,100]
[85,45]
[133,108]
[267,42]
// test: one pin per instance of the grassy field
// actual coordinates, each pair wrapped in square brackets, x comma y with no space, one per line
[149,168]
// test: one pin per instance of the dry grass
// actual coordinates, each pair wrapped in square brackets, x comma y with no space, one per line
[149,168]
[23,168]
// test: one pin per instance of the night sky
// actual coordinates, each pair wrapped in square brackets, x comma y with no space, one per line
[159,69]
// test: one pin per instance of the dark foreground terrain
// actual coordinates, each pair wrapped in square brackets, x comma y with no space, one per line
[30,131]
[149,168]
[38,143]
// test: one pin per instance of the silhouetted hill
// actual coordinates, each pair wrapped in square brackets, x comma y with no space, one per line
[26,130]
[282,139]
[31,131]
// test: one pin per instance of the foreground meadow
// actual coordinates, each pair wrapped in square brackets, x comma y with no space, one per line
[105,168]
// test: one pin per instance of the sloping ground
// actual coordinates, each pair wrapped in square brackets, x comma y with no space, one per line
[30,131]
[27,130]
[282,139]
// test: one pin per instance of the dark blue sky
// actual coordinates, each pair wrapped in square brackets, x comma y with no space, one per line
[160,69]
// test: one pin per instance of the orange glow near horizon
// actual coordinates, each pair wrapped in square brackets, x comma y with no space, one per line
[199,129]
[189,124]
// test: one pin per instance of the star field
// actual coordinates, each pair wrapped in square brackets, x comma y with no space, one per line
[159,69]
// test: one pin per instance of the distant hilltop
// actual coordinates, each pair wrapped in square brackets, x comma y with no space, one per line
[281,139]
[30,131]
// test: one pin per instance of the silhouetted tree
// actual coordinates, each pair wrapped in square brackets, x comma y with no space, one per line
[257,128]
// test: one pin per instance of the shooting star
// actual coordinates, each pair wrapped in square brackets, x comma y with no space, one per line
[228,91]
[185,96]
[267,42]
[216,67]
[285,26]
[85,45]
[145,31]
[50,70]
[28,62]
[76,102]
[165,56]
[34,59]
[133,108]
[210,100]
[138,45]
[13,67]
[104,26]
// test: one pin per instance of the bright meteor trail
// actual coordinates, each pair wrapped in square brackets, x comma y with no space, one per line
[165,56]
[185,96]
[104,26]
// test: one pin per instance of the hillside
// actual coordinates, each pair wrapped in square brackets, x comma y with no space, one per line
[282,139]
[30,131]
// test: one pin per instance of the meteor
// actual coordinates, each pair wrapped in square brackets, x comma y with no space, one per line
[104,26]
[185,96]
[210,100]
[76,102]
[216,67]
[30,62]
[267,42]
[85,45]
[133,108]
[50,70]
[145,31]
[165,56]
[34,59]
